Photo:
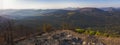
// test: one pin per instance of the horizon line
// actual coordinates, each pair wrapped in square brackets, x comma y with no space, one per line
[54,8]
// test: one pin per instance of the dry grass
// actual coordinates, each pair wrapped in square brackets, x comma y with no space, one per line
[111,41]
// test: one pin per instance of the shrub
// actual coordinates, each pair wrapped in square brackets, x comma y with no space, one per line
[87,32]
[98,33]
[105,34]
[92,32]
[80,30]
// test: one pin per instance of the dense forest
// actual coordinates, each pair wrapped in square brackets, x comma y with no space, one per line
[93,20]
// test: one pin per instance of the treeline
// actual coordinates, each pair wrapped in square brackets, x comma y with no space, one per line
[91,31]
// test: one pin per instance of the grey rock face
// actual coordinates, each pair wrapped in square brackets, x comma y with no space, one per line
[65,37]
[59,39]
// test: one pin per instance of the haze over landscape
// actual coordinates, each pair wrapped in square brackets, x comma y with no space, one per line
[48,4]
[59,22]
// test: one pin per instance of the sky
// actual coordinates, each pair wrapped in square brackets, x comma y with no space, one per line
[56,4]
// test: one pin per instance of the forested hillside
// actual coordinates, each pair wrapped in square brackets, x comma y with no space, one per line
[27,22]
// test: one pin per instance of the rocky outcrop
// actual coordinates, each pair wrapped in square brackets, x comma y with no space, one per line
[64,37]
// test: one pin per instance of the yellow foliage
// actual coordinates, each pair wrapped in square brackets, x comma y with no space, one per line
[71,13]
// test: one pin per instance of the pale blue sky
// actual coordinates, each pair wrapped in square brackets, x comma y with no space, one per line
[48,4]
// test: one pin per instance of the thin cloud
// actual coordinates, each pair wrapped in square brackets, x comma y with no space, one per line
[45,4]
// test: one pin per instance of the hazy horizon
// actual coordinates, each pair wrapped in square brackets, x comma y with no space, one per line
[56,4]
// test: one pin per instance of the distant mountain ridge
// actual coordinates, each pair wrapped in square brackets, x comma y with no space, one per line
[110,9]
[33,12]
[91,15]
[30,20]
